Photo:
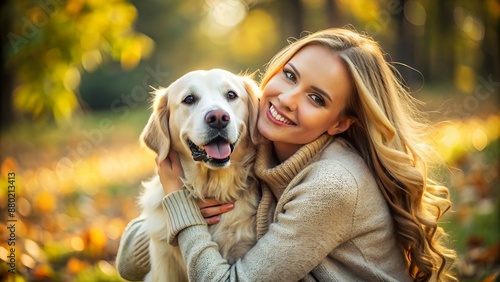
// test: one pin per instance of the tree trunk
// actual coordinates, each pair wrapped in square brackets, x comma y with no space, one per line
[405,45]
[332,13]
[292,17]
[6,87]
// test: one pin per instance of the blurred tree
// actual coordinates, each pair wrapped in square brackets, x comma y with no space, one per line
[441,28]
[293,17]
[51,42]
[406,39]
[6,110]
[332,13]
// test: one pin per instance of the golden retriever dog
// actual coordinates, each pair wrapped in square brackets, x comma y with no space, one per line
[209,119]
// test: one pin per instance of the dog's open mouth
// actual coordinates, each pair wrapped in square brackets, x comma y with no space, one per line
[218,150]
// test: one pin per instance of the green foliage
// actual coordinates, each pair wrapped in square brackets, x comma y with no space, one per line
[53,41]
[78,181]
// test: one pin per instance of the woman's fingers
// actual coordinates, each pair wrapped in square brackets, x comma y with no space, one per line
[216,210]
[174,162]
[170,172]
[208,203]
[212,209]
[212,220]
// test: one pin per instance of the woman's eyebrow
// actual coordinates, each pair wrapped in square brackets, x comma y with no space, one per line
[297,73]
[322,93]
[319,90]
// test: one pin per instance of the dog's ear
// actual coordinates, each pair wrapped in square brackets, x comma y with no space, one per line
[254,94]
[156,134]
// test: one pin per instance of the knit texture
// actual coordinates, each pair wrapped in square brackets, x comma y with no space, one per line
[330,223]
[132,260]
[173,205]
[321,218]
[275,178]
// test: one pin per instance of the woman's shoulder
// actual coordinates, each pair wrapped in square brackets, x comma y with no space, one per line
[340,167]
[339,155]
[339,147]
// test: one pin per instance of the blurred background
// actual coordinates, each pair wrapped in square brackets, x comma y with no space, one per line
[76,77]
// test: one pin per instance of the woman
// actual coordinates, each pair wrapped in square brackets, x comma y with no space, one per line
[345,192]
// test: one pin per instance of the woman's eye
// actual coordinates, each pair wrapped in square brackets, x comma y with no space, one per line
[190,99]
[317,99]
[290,75]
[231,95]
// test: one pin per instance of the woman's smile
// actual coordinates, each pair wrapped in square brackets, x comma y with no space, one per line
[305,99]
[278,117]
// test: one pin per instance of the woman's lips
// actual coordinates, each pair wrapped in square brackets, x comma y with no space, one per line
[277,117]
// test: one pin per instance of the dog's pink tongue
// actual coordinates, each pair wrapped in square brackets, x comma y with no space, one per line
[218,149]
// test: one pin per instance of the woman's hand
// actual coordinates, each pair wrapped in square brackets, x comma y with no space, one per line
[170,172]
[212,209]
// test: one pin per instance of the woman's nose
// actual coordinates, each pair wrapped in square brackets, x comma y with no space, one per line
[289,99]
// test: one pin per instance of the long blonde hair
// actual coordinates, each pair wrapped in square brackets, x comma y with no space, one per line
[388,134]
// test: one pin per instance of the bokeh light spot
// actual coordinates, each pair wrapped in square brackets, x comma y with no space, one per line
[465,78]
[45,202]
[415,13]
[228,12]
[72,78]
[479,139]
[28,261]
[77,243]
[470,25]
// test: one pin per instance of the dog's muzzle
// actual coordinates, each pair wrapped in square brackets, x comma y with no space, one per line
[216,151]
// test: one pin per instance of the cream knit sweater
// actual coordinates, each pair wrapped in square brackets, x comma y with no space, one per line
[330,223]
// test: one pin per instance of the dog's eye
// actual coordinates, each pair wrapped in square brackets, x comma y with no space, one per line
[232,95]
[190,99]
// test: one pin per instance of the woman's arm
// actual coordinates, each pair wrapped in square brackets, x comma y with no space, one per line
[132,260]
[316,218]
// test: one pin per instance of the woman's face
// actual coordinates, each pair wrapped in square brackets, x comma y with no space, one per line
[305,99]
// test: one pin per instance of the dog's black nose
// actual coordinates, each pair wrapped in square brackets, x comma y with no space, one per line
[217,119]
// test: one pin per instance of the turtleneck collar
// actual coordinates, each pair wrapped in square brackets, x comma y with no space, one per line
[277,176]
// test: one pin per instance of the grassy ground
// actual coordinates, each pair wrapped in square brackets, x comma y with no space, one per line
[76,188]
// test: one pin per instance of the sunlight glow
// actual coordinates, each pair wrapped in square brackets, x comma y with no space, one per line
[105,267]
[77,243]
[415,13]
[33,249]
[479,139]
[72,78]
[223,16]
[451,136]
[91,60]
[470,25]
[3,253]
[228,12]
[28,261]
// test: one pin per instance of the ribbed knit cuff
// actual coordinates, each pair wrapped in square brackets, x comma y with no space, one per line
[141,252]
[132,260]
[182,213]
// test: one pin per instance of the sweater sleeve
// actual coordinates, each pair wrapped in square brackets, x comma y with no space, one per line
[316,216]
[132,260]
[182,212]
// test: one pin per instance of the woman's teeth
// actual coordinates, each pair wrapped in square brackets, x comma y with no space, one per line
[278,117]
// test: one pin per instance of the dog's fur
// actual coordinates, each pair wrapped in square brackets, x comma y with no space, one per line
[185,111]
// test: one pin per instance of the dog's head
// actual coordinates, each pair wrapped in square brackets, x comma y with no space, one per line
[203,114]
